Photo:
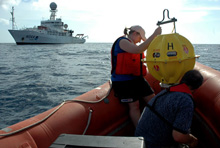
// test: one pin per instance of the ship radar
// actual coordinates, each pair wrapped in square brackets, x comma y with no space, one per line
[53,7]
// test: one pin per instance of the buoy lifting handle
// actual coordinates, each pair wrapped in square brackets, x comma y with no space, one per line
[165,22]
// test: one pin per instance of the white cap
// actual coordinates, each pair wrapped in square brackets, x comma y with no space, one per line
[140,30]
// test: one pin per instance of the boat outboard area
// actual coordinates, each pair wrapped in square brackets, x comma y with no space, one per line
[98,119]
[51,31]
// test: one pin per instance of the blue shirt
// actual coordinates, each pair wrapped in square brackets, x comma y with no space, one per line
[177,108]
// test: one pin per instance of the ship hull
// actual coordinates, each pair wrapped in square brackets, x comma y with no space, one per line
[34,37]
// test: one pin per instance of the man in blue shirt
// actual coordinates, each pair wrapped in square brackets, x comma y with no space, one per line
[167,119]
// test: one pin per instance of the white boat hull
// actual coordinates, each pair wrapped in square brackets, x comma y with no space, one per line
[35,37]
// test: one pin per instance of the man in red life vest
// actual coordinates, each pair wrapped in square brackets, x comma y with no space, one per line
[167,119]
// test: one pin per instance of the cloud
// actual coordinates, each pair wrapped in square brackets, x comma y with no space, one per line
[4,21]
[213,8]
[5,4]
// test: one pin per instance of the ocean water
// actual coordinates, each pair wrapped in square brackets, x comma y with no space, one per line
[35,78]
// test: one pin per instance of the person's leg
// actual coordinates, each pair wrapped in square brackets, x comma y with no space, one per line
[144,90]
[148,98]
[134,112]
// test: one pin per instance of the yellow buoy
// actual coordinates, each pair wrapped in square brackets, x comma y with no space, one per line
[169,56]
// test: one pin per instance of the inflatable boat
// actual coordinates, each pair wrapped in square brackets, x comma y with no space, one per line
[99,113]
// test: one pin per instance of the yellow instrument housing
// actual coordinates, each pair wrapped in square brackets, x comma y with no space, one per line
[169,56]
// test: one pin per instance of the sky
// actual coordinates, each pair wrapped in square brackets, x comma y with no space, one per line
[105,20]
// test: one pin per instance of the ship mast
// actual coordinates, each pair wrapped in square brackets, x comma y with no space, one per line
[53,10]
[13,19]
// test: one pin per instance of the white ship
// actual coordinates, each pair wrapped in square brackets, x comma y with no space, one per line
[52,31]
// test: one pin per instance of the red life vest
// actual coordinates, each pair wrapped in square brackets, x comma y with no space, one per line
[128,63]
[181,88]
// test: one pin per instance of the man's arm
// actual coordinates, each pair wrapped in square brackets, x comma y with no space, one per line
[188,139]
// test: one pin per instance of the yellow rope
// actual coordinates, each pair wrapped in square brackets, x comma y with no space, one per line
[173,28]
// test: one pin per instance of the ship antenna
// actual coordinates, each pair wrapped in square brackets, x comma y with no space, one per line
[13,19]
[53,7]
